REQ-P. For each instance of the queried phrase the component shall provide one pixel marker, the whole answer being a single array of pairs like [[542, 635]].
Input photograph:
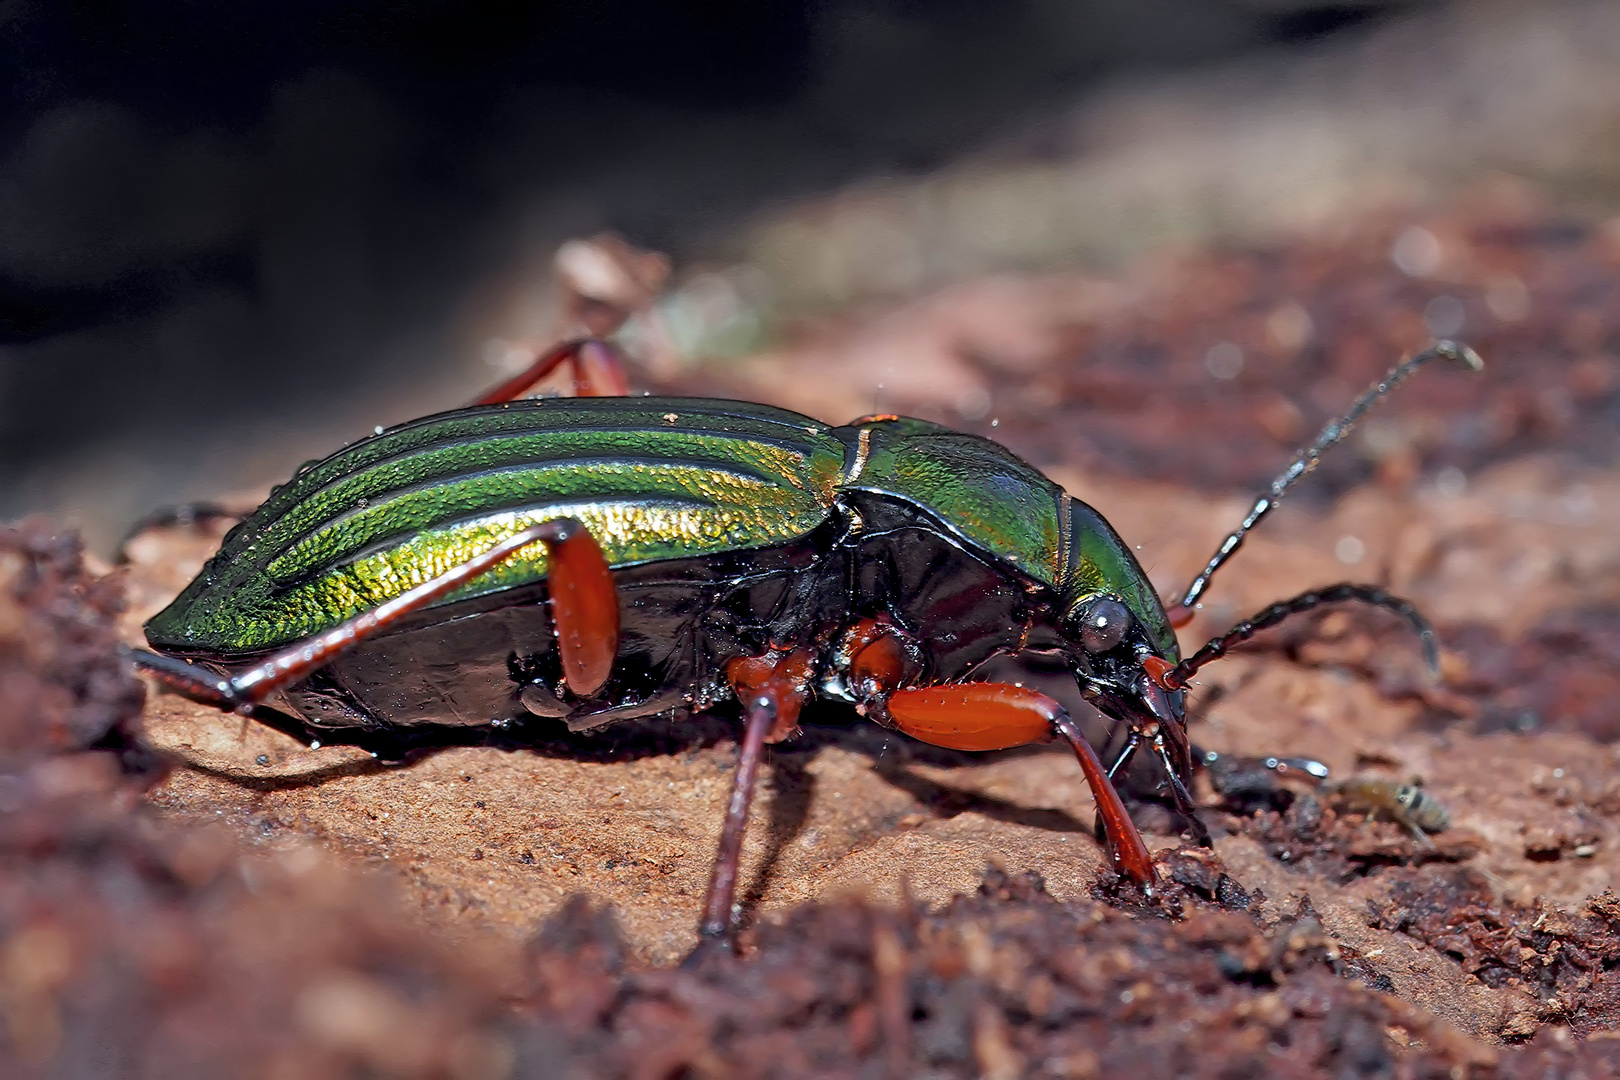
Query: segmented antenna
[[1308, 459], [1177, 676]]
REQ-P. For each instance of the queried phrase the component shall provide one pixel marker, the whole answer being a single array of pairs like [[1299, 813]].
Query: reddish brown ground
[[211, 921]]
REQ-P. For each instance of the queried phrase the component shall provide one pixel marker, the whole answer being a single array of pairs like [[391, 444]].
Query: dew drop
[[1224, 360], [1417, 252], [1444, 316]]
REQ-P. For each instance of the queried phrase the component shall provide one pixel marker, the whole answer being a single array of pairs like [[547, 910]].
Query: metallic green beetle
[[604, 559]]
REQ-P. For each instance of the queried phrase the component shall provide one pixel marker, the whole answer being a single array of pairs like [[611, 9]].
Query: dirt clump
[[1564, 675], [1321, 828], [62, 685], [138, 945], [1569, 961]]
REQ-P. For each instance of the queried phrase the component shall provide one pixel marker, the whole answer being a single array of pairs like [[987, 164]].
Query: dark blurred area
[[224, 226]]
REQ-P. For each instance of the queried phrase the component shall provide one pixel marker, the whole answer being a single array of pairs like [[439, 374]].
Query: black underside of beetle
[[491, 663]]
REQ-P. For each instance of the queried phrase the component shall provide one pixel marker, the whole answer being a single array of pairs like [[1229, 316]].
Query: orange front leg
[[995, 716], [974, 716]]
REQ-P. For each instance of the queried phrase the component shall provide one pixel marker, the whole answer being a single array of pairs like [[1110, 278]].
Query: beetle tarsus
[[1188, 809], [709, 945], [192, 680]]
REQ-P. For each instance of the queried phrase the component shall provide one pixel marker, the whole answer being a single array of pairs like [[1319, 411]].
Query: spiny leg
[[1174, 750], [994, 716], [1133, 742], [1180, 795], [1181, 613], [772, 696], [718, 907], [585, 610], [598, 372]]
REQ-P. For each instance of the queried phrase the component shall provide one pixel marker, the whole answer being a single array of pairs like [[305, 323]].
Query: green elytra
[[654, 480]]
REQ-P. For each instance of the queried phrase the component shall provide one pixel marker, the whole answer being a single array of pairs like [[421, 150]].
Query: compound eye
[[1104, 625]]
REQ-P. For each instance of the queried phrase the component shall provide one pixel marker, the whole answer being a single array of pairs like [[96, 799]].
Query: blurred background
[[235, 237]]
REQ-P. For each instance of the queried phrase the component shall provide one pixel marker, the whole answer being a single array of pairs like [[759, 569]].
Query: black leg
[[1133, 741], [1126, 753], [1183, 798], [1178, 790]]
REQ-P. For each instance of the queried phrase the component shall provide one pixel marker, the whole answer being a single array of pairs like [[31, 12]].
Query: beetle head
[[1115, 654], [1117, 638]]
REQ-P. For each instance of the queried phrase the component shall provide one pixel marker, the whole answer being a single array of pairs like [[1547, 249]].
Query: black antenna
[[1308, 459], [1177, 676]]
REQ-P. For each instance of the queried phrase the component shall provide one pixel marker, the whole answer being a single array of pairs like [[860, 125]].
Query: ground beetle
[[602, 558]]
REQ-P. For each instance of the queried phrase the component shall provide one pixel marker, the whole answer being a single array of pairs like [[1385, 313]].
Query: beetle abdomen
[[470, 663], [653, 480]]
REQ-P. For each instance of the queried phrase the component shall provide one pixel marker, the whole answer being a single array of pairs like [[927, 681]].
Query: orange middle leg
[[598, 372], [984, 716]]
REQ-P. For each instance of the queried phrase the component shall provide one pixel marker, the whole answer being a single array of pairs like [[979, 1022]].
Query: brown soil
[[214, 922]]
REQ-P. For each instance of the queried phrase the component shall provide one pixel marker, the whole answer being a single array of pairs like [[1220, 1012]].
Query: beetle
[[598, 559]]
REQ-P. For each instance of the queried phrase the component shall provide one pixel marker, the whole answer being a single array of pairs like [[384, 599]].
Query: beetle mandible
[[602, 558]]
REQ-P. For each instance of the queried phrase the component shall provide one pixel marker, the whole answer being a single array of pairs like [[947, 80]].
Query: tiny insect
[[1410, 803], [605, 559]]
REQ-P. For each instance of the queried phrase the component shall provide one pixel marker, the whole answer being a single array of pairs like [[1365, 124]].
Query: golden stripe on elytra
[[425, 508], [863, 450], [776, 462], [628, 533], [1060, 558]]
